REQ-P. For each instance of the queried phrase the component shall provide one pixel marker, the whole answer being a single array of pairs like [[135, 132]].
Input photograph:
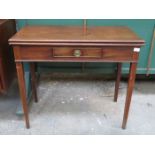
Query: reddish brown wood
[[7, 65], [131, 83], [74, 34], [57, 44], [33, 81], [22, 88], [70, 52], [81, 44], [62, 54], [119, 67]]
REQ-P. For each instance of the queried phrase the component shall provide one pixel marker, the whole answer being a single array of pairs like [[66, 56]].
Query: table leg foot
[[131, 83]]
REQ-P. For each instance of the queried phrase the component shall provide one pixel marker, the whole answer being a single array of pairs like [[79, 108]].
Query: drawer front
[[77, 52], [90, 54]]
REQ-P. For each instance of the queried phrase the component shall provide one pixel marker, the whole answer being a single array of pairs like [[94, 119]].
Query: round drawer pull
[[77, 53]]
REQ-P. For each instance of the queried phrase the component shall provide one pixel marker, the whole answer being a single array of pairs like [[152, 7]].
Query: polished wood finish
[[70, 44], [119, 67], [74, 34], [71, 52], [91, 54], [22, 89], [7, 65], [131, 82]]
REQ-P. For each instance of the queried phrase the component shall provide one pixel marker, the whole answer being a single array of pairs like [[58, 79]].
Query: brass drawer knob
[[77, 53]]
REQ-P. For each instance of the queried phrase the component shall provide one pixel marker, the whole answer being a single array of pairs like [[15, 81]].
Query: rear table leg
[[33, 81], [119, 67]]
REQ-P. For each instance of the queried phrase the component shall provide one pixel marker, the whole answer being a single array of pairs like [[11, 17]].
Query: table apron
[[74, 54]]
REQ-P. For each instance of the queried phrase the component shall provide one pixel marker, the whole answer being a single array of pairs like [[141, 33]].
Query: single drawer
[[77, 52]]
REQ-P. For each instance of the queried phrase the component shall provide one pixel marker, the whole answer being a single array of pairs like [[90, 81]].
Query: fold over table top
[[53, 35]]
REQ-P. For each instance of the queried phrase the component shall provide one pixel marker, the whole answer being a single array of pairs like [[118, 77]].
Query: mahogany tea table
[[117, 44]]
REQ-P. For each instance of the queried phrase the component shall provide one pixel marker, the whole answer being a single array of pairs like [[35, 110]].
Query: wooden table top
[[63, 34]]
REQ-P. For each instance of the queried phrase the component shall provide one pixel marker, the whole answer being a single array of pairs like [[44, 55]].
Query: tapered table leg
[[22, 89], [119, 67], [131, 83], [33, 81]]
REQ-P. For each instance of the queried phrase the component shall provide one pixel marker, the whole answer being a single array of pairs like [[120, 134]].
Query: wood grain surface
[[75, 34]]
